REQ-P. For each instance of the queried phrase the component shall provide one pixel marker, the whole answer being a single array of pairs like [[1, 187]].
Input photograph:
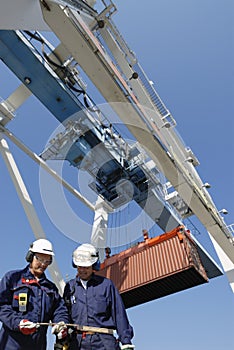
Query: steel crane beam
[[85, 48], [28, 206]]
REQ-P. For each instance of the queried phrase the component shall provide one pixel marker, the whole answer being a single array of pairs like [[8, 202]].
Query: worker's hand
[[127, 347], [27, 327], [60, 329]]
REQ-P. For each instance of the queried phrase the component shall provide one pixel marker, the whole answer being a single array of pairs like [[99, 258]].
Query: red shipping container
[[155, 268]]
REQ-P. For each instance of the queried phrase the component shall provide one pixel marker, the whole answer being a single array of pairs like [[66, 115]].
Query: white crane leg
[[28, 207], [98, 237], [227, 264]]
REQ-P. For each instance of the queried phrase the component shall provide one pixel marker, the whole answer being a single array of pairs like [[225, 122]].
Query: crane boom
[[146, 128], [90, 40]]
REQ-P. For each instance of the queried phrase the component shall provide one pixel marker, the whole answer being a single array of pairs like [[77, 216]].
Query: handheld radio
[[22, 302]]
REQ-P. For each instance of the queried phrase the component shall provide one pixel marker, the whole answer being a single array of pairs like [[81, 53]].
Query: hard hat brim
[[83, 263]]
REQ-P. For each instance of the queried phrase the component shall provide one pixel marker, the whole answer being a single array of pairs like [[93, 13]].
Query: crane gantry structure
[[88, 41]]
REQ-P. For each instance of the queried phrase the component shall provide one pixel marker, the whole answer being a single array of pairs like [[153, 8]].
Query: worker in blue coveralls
[[94, 301], [28, 298]]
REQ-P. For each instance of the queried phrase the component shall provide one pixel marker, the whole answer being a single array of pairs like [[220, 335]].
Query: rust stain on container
[[155, 268]]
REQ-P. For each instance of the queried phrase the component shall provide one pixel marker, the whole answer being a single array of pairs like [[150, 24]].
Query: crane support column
[[227, 264], [28, 207], [98, 237]]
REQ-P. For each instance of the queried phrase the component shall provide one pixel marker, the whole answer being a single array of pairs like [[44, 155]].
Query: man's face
[[40, 263], [85, 272]]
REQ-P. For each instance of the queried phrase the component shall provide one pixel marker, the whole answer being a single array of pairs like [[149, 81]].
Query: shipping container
[[155, 268]]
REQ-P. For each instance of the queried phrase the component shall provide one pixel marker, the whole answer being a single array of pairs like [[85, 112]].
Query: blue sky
[[186, 48]]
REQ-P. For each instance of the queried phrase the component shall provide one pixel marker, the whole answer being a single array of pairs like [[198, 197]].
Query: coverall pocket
[[20, 299], [101, 305]]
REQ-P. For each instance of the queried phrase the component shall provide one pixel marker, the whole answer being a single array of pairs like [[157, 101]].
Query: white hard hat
[[42, 246], [85, 255]]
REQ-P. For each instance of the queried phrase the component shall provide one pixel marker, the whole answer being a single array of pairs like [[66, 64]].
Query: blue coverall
[[100, 305], [43, 304]]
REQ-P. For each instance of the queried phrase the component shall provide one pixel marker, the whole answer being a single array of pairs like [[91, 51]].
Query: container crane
[[90, 41]]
